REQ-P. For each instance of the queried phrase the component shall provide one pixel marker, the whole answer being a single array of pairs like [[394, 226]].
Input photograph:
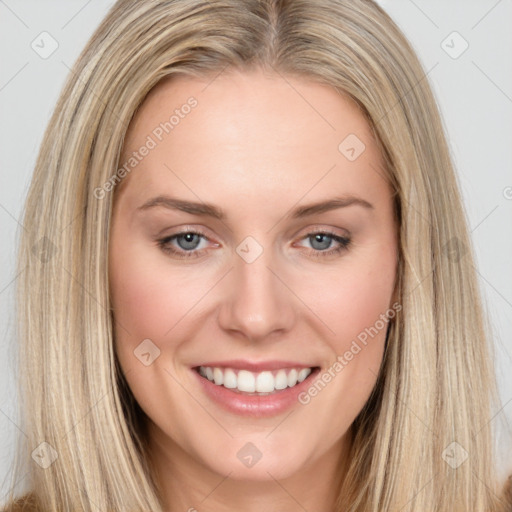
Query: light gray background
[[474, 92]]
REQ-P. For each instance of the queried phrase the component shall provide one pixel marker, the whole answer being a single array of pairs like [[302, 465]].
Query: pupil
[[324, 240], [190, 241]]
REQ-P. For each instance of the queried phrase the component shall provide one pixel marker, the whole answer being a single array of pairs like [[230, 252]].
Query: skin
[[256, 145]]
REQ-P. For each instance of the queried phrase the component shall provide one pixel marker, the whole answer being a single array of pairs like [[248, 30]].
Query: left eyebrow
[[332, 204]]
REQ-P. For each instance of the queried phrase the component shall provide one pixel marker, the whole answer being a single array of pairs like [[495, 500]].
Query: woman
[[214, 352]]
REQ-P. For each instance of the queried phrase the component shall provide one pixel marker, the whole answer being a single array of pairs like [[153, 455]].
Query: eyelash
[[163, 243]]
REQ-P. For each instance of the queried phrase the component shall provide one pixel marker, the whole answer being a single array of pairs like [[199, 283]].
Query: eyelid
[[164, 241], [343, 241], [323, 229]]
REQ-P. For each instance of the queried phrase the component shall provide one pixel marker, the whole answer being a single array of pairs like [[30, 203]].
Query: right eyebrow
[[184, 206]]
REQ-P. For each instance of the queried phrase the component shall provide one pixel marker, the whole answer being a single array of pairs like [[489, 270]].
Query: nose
[[257, 304]]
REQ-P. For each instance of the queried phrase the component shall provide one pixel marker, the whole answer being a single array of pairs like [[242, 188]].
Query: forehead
[[249, 131]]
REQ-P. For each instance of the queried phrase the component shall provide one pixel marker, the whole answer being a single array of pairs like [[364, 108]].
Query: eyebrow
[[210, 210]]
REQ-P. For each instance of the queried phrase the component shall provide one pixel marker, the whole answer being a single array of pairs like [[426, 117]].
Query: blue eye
[[321, 242], [190, 240], [185, 244], [321, 239]]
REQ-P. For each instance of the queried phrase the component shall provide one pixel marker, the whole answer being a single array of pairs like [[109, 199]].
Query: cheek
[[150, 298], [356, 304], [353, 300], [149, 295]]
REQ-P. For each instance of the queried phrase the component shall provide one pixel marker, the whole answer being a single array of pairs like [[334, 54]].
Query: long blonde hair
[[432, 402]]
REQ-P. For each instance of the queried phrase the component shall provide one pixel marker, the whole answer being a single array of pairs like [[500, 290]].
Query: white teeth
[[292, 377], [281, 380], [303, 373], [218, 376], [230, 379], [248, 382], [265, 382]]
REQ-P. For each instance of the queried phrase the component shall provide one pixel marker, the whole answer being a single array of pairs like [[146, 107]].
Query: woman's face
[[252, 240]]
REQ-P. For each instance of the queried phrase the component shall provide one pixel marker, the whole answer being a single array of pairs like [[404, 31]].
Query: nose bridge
[[257, 303]]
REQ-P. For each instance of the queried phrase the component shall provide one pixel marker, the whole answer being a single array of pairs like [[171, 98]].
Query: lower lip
[[255, 405]]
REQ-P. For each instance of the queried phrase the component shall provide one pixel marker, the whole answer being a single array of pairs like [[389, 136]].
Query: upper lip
[[259, 366]]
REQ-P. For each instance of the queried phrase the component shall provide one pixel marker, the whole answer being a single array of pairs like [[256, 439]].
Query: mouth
[[254, 389], [247, 382]]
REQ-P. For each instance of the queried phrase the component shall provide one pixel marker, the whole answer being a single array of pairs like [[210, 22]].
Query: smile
[[255, 383]]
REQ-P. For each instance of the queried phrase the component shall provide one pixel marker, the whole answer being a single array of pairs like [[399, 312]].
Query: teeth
[[281, 380], [248, 382], [292, 377], [265, 382], [303, 373], [218, 376], [230, 379]]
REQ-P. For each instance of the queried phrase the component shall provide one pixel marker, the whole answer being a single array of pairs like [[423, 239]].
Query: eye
[[184, 244], [322, 243]]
